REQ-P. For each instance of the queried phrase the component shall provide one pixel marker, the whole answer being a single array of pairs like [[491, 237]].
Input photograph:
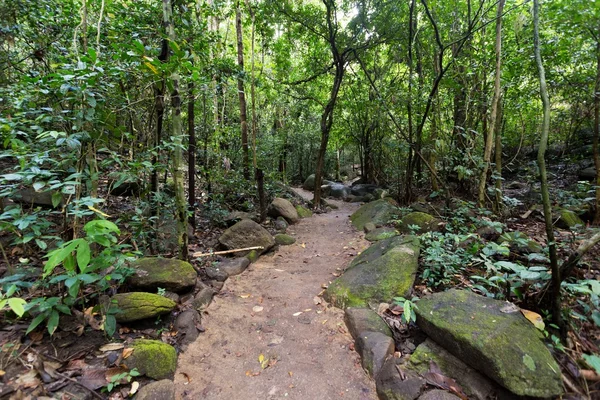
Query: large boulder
[[171, 274], [247, 233], [385, 270], [420, 221], [381, 233], [587, 174], [492, 338], [135, 306], [29, 196], [283, 208], [153, 358], [379, 212], [309, 183], [363, 189], [391, 385], [236, 216], [339, 191], [569, 220]]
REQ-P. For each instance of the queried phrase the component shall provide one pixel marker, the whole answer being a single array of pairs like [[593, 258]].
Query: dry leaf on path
[[134, 388], [296, 314], [187, 378], [112, 347], [257, 309], [317, 300], [244, 296]]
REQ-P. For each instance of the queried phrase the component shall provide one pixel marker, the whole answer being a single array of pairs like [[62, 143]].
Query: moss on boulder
[[284, 240], [139, 305], [381, 234], [569, 220], [247, 233], [425, 222], [303, 212], [153, 358], [309, 183], [359, 320], [491, 339], [167, 273], [379, 212], [385, 270]]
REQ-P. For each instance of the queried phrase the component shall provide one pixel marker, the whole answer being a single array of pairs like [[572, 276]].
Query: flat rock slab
[[359, 320], [392, 386], [378, 212], [385, 270], [234, 266], [374, 348], [473, 384], [493, 339], [153, 358], [438, 394], [136, 306], [247, 233], [419, 221], [171, 274]]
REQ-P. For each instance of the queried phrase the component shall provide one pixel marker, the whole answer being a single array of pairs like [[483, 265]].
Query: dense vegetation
[[184, 106]]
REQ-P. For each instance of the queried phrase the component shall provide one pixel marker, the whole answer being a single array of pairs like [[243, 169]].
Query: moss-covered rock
[[425, 222], [247, 233], [392, 386], [252, 256], [284, 240], [303, 212], [473, 384], [569, 220], [153, 358], [381, 234], [485, 335], [309, 183], [160, 390], [167, 273], [379, 212], [385, 270], [283, 208], [139, 305], [369, 226], [362, 319], [374, 348]]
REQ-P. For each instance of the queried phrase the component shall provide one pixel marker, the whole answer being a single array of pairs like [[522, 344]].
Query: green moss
[[569, 220], [424, 221], [381, 234], [379, 212], [284, 240], [139, 305], [378, 276], [477, 330], [168, 273], [153, 358], [303, 212], [252, 256]]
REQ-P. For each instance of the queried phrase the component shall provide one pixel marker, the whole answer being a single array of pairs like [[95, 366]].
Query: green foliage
[[408, 306], [121, 378]]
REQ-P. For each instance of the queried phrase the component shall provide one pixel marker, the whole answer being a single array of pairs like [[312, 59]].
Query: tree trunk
[[177, 133], [241, 93], [498, 158], [489, 140], [191, 154], [556, 280], [409, 162], [597, 128]]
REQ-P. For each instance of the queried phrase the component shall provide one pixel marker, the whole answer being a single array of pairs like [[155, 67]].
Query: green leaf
[[53, 322], [74, 289], [93, 55], [17, 305], [58, 256], [593, 361], [37, 186], [528, 361], [56, 199], [35, 322], [83, 255], [110, 325], [596, 317]]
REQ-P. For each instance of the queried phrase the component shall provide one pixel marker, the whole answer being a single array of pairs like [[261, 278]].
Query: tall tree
[[241, 92]]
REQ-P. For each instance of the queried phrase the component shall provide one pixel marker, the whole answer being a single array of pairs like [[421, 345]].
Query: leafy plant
[[123, 377], [408, 306]]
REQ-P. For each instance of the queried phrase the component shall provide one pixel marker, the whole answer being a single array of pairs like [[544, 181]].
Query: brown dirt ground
[[270, 310]]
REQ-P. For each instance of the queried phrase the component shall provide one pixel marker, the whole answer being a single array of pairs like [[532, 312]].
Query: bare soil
[[267, 338]]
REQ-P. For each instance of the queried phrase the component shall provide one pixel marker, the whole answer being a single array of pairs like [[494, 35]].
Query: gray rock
[[380, 193], [28, 196], [473, 384], [356, 199], [284, 240], [325, 190], [569, 220], [379, 213], [369, 226], [136, 306], [234, 266], [363, 189], [374, 348], [237, 216], [309, 183], [587, 174], [424, 222], [360, 319], [381, 233], [438, 394], [280, 224], [203, 298], [159, 390], [216, 274], [391, 386], [368, 198], [339, 191], [246, 233], [493, 339], [185, 325], [153, 358], [283, 208], [167, 273], [385, 270]]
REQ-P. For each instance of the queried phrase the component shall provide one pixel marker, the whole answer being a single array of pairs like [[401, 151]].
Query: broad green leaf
[[58, 256], [56, 199], [83, 255], [35, 322], [528, 361], [37, 186], [593, 360], [52, 323], [17, 305]]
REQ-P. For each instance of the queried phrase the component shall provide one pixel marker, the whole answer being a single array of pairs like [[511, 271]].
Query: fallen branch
[[216, 253]]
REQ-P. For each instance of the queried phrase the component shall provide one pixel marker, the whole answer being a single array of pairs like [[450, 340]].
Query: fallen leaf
[[250, 373], [244, 296], [290, 373], [134, 388], [308, 310], [336, 274], [317, 300], [534, 318], [324, 285], [443, 382], [112, 347], [257, 309], [36, 336], [296, 314], [303, 245], [2, 372], [383, 307], [187, 378], [28, 380], [127, 352]]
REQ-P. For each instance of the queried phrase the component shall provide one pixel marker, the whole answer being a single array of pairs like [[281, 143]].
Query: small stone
[[139, 305], [234, 266], [185, 325], [369, 226], [284, 240], [159, 390], [216, 274], [152, 358]]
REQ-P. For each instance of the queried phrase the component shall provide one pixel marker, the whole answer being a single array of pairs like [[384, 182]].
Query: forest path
[[307, 355]]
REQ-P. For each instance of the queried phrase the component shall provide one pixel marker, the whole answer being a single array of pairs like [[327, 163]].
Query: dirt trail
[[310, 353]]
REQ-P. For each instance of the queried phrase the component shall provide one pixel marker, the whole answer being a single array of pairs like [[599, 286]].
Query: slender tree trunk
[[597, 128], [409, 107], [489, 140], [556, 280], [241, 93], [177, 133], [191, 154], [498, 158]]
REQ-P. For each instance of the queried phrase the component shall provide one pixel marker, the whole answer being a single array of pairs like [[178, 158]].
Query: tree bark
[[489, 140], [241, 93], [597, 128], [556, 279], [191, 154]]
